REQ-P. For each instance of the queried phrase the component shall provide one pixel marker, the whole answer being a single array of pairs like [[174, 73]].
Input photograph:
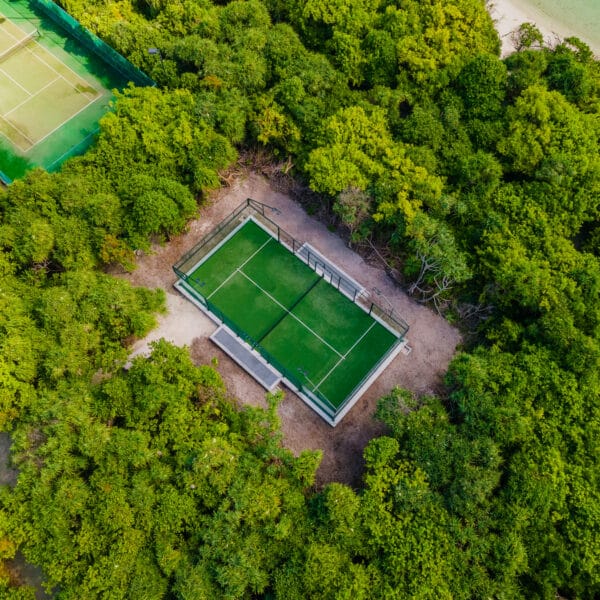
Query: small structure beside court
[[285, 312], [56, 82]]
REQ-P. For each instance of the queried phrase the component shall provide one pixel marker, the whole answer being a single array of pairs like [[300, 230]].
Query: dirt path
[[433, 340]]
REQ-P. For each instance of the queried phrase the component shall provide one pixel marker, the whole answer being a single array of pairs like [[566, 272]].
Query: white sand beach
[[509, 14]]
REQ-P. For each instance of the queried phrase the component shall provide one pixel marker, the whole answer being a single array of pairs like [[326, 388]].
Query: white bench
[[250, 360]]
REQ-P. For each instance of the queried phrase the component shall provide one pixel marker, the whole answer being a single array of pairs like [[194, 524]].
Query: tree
[[481, 84], [353, 207], [161, 132], [543, 129], [527, 36], [117, 487]]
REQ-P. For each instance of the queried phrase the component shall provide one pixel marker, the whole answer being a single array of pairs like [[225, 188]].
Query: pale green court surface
[[55, 88], [40, 94]]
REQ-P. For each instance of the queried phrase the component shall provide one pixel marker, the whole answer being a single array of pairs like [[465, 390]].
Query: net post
[[19, 44], [371, 309]]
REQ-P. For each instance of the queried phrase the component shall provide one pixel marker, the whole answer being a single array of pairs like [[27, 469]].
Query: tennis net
[[18, 45], [288, 311]]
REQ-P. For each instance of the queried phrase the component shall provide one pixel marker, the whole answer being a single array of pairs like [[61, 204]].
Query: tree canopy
[[478, 179]]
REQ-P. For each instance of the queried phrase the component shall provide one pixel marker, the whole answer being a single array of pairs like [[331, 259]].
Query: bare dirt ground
[[433, 340]]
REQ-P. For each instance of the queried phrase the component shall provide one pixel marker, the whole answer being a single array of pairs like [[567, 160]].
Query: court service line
[[238, 269], [15, 81], [337, 364], [71, 117], [291, 313], [30, 97], [37, 44]]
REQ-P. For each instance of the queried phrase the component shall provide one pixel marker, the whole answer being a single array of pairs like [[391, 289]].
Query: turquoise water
[[580, 16]]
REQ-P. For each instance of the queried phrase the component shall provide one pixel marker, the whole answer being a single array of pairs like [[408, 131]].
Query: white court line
[[15, 81], [57, 160], [25, 136], [337, 364], [238, 269], [17, 41], [30, 97], [9, 33], [37, 44], [71, 117], [291, 313]]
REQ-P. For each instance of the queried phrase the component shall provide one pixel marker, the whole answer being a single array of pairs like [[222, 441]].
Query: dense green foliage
[[479, 177]]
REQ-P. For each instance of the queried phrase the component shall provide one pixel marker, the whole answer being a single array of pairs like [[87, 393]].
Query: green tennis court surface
[[296, 320]]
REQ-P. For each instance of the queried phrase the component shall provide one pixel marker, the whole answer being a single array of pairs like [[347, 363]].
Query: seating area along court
[[39, 92], [324, 344]]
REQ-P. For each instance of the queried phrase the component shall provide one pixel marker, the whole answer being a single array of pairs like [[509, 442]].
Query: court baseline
[[238, 269], [343, 358]]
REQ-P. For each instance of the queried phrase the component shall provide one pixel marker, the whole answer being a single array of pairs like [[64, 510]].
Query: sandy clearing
[[433, 340], [182, 324]]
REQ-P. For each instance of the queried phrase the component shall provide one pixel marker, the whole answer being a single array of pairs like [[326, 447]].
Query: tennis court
[[39, 92], [56, 83], [319, 339]]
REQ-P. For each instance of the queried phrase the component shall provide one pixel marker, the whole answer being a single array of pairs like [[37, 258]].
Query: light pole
[[157, 52]]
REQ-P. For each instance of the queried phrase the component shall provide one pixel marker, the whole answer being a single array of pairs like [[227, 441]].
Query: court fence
[[251, 208], [258, 210], [92, 42]]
